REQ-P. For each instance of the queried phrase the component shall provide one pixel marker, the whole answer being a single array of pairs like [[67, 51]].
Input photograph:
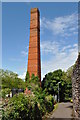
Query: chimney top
[[34, 10]]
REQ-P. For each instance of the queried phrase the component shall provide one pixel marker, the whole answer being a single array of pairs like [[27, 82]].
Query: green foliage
[[49, 102], [68, 90], [10, 80], [51, 80], [32, 83], [27, 107], [4, 92], [22, 107], [31, 106], [27, 78], [68, 86]]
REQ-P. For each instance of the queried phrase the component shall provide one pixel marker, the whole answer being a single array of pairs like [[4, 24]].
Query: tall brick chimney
[[34, 63]]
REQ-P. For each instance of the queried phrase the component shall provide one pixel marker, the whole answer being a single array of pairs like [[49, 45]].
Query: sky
[[58, 36]]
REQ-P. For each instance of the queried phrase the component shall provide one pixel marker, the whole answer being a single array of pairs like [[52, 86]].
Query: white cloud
[[61, 56], [49, 47], [24, 53], [66, 47], [63, 59], [56, 47], [22, 76], [64, 26]]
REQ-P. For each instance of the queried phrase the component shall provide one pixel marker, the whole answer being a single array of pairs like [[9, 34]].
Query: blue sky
[[58, 36]]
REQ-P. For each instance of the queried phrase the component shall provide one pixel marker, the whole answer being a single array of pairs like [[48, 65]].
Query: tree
[[51, 80], [27, 78], [68, 86], [10, 80]]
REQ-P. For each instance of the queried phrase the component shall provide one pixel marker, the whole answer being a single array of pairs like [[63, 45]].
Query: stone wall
[[76, 88]]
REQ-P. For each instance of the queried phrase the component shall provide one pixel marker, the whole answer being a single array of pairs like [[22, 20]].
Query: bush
[[49, 102], [31, 106], [4, 92], [27, 107], [22, 107]]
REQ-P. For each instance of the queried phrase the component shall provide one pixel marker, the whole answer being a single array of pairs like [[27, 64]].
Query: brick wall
[[34, 62]]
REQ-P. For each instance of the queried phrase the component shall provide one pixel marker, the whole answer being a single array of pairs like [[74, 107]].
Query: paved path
[[64, 110]]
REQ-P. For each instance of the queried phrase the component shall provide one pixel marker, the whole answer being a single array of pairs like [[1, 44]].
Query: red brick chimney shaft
[[34, 63]]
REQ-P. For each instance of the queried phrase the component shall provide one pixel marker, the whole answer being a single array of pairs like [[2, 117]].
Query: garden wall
[[76, 88]]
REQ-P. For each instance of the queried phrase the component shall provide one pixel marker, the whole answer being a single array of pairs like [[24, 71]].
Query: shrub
[[27, 107], [49, 102], [22, 107], [31, 106], [4, 92]]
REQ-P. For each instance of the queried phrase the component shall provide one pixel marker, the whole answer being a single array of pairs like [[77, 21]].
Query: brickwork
[[76, 88], [34, 63]]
